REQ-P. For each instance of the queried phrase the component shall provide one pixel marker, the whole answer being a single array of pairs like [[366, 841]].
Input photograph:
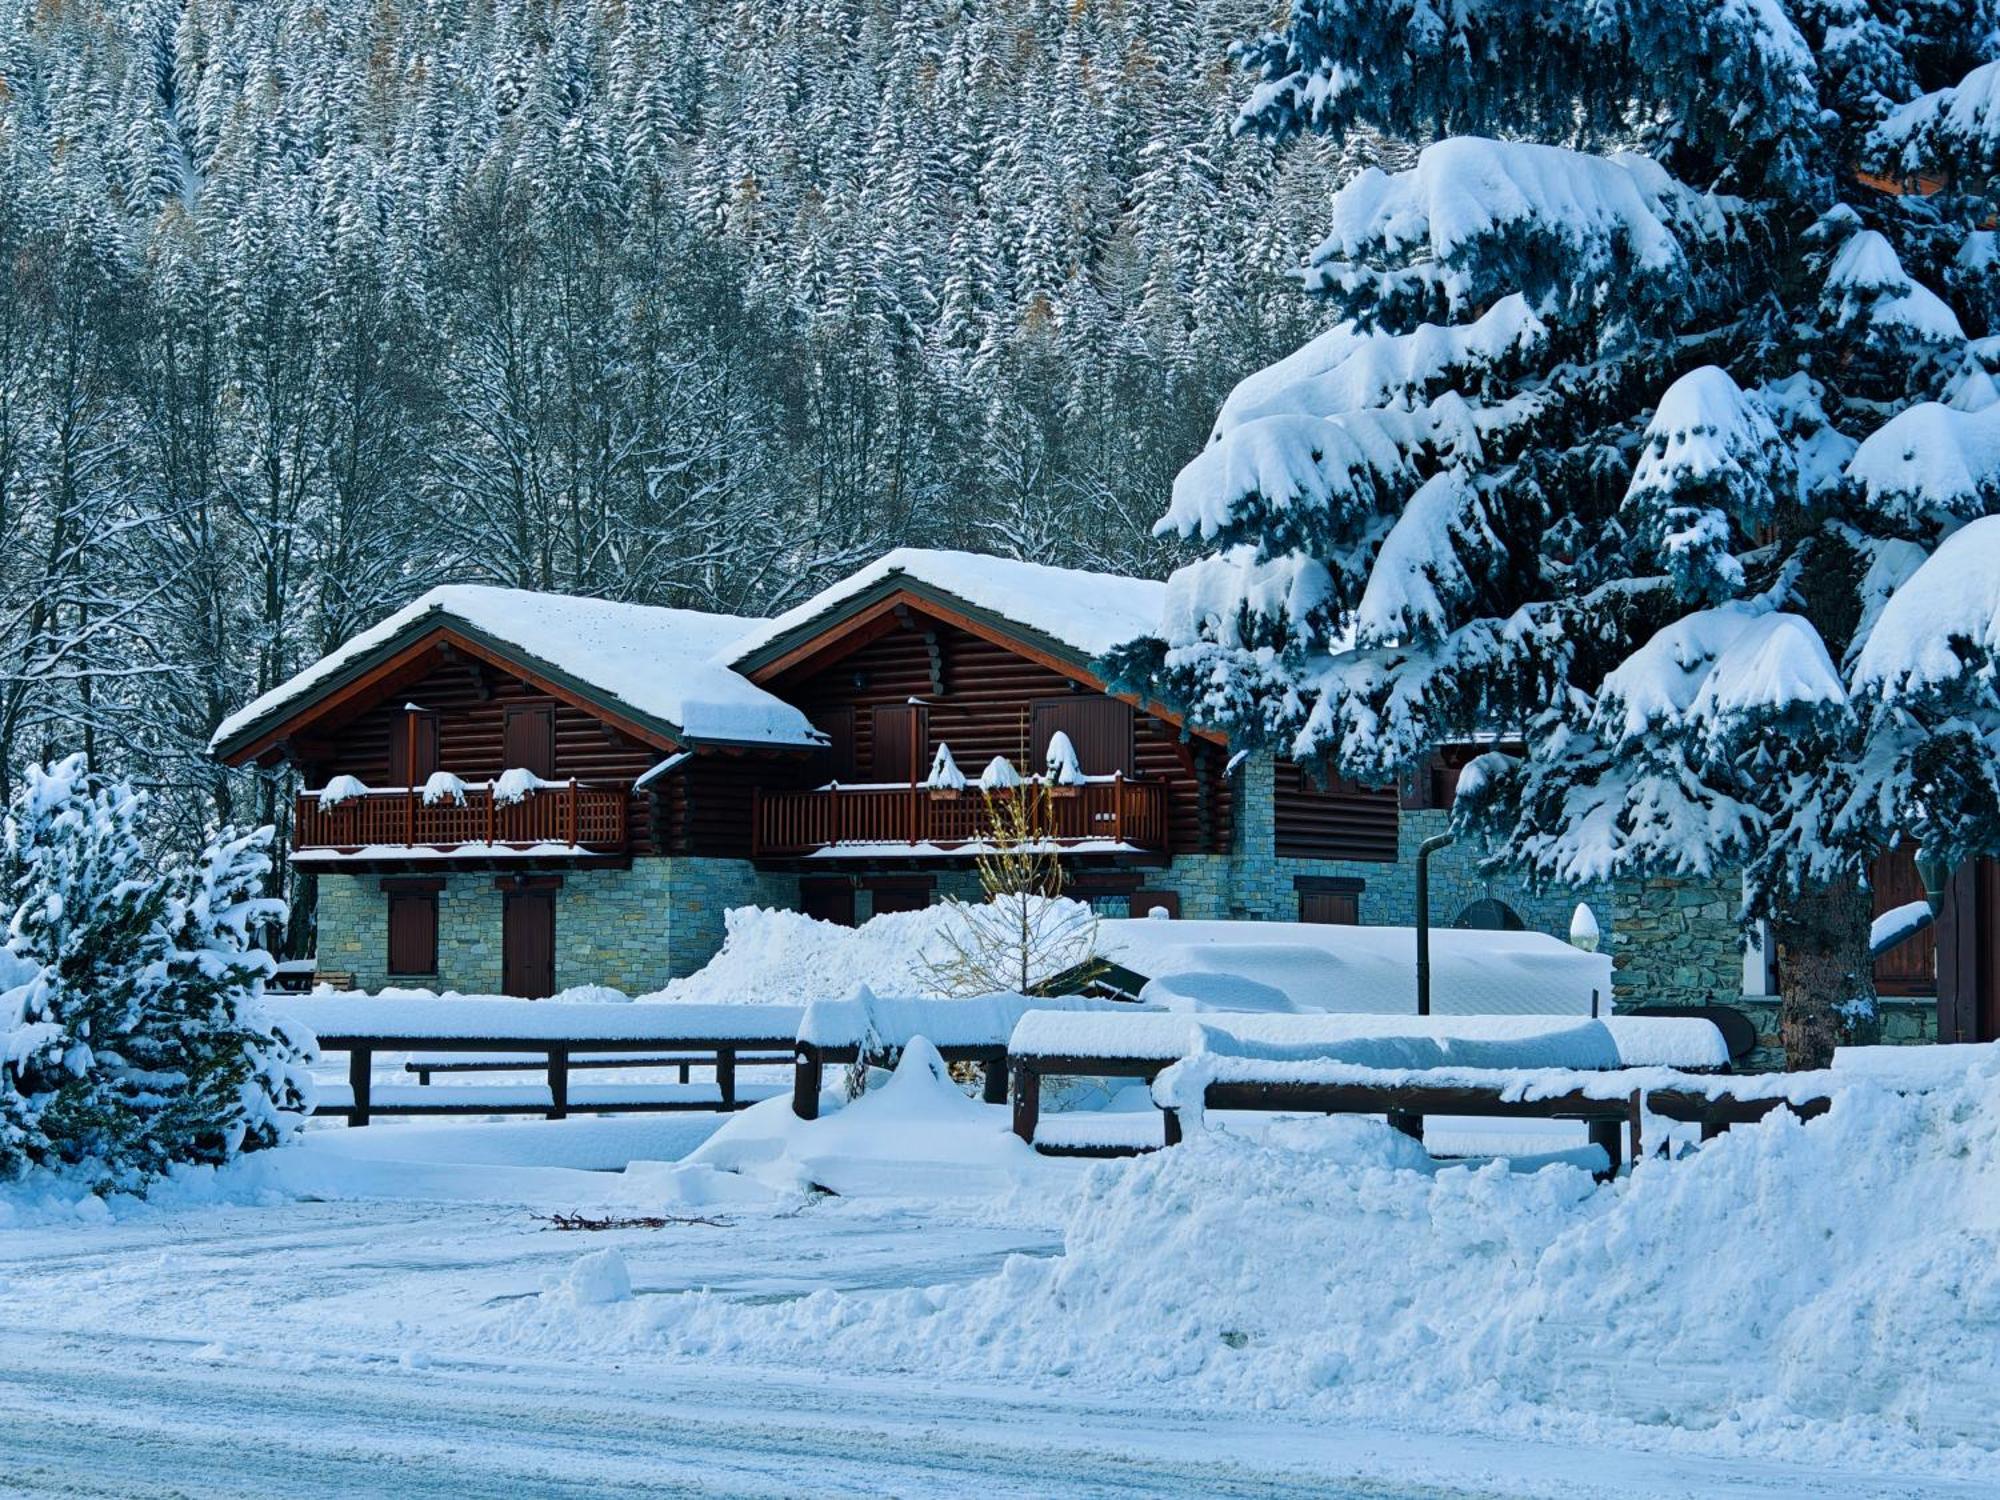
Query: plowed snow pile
[[1825, 1291]]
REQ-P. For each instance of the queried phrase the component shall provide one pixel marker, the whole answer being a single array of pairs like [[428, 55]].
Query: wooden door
[[1337, 908], [900, 742], [528, 740], [528, 944], [1968, 945], [1099, 728], [1909, 968], [413, 931], [401, 771], [827, 901]]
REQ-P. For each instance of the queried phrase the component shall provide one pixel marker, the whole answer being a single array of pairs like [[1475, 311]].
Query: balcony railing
[[570, 815], [1109, 815]]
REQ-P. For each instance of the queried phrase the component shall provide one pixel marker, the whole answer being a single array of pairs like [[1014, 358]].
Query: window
[[1332, 900], [1342, 821], [1144, 903], [1099, 727], [1489, 915], [413, 926], [828, 901], [837, 761], [899, 895], [528, 739], [899, 748]]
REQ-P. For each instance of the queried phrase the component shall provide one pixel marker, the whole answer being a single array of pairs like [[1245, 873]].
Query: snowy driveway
[[331, 1349]]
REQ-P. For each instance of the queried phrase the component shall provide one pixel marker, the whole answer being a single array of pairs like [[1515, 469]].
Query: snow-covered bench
[[555, 1034], [1403, 1067], [878, 1028]]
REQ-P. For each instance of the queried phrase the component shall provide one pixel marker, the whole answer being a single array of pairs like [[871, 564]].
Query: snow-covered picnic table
[[560, 1034]]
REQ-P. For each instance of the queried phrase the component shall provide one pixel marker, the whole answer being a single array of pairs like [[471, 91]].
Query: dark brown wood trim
[[513, 883], [413, 885]]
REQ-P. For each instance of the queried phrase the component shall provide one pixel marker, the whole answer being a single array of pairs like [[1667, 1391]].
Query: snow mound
[[1734, 1298], [787, 958], [918, 1135], [599, 1277]]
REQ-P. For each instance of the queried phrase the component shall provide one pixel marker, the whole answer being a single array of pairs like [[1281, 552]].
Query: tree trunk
[[1826, 977]]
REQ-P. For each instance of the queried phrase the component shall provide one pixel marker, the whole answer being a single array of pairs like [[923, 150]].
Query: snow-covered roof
[[1084, 613], [668, 667]]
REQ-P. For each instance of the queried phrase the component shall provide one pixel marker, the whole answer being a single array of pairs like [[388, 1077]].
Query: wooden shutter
[[1909, 968], [892, 736], [1142, 903], [1343, 822], [1336, 908], [837, 724], [529, 738], [900, 895], [1099, 727], [828, 901], [413, 932], [401, 772], [528, 944]]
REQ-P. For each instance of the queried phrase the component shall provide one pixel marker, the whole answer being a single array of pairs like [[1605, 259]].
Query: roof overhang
[[409, 655], [849, 623]]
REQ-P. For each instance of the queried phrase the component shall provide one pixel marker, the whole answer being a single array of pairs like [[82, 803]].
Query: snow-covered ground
[[1289, 1308]]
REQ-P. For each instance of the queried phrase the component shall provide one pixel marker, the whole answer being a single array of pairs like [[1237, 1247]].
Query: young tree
[[1024, 933], [1645, 396], [133, 1034]]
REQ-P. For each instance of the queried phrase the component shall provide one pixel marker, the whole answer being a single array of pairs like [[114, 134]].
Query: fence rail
[[1115, 813], [570, 814]]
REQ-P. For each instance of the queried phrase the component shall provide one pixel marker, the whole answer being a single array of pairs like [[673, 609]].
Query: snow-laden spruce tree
[[130, 1018], [1658, 372]]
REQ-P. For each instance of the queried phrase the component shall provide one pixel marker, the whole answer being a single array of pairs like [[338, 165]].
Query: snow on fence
[[495, 1022], [1419, 1041]]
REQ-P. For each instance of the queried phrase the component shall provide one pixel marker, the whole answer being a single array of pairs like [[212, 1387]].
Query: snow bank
[[1740, 1298], [780, 957], [1319, 967], [917, 1135]]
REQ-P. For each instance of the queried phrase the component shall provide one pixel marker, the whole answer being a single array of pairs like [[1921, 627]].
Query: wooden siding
[[1343, 822], [981, 703], [471, 730]]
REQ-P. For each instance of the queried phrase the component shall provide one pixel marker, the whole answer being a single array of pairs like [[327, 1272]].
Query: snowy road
[[317, 1349]]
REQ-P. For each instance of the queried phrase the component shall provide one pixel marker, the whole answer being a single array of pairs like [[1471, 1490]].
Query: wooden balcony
[[569, 819], [1108, 816]]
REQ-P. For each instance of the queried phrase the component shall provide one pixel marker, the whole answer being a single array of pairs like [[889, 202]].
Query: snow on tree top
[[1930, 460], [661, 662], [1959, 125], [1867, 283], [1091, 613], [1468, 189], [1954, 597]]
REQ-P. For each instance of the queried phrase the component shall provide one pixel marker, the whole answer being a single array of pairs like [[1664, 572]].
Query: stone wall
[[1253, 883], [1676, 941], [633, 929]]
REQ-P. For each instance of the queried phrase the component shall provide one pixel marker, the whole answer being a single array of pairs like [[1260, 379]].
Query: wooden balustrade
[[1117, 814], [571, 813]]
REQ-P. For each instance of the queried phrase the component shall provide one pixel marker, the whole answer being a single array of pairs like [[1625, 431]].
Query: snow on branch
[[1956, 127], [1942, 626], [1718, 672]]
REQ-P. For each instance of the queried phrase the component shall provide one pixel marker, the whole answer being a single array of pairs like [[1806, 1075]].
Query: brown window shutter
[[1342, 822], [828, 901], [413, 932], [400, 771], [528, 741], [893, 735], [1142, 903], [1335, 908], [1099, 727], [1909, 968]]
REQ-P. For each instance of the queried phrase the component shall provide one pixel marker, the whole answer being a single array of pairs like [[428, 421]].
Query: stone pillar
[[1676, 941]]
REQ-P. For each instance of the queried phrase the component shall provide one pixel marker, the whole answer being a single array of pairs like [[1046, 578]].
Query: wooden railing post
[[1118, 807], [492, 812], [571, 841]]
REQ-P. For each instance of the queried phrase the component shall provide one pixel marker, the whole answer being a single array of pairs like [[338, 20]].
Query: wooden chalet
[[505, 791]]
